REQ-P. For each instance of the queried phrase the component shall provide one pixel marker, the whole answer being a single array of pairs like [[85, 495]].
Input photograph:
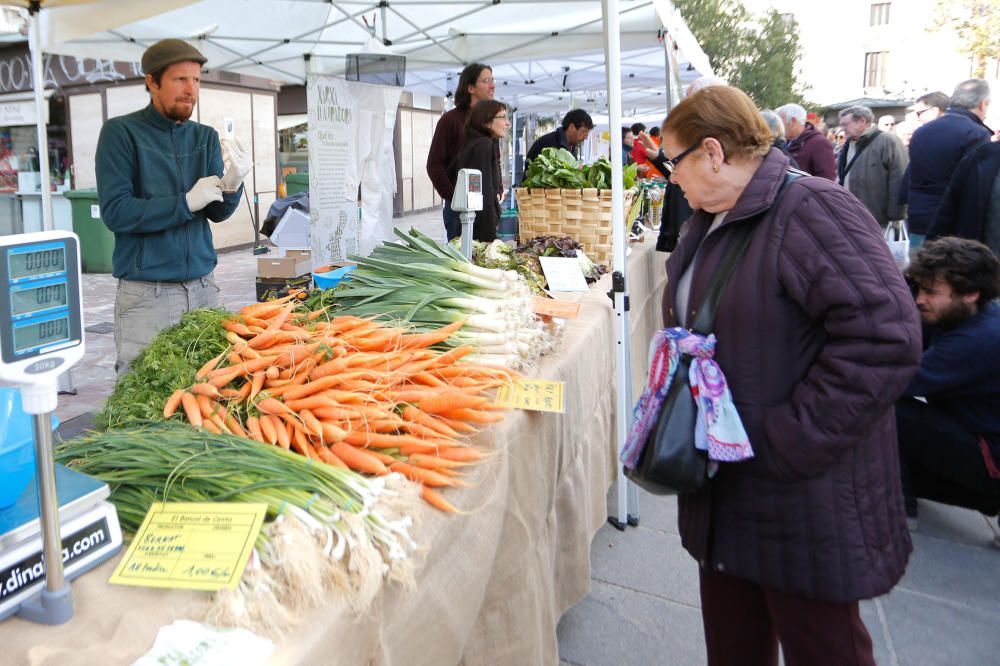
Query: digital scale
[[61, 525], [467, 199]]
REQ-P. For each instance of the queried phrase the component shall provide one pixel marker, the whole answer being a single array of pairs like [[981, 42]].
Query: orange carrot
[[450, 401], [311, 403], [417, 416], [172, 403], [253, 425], [475, 416], [227, 375], [257, 383], [208, 367], [210, 426], [427, 339], [433, 462], [234, 426], [268, 429], [311, 423], [460, 453], [205, 389], [331, 433], [425, 476], [300, 442], [358, 459], [281, 430], [329, 457], [191, 409], [274, 407], [436, 500]]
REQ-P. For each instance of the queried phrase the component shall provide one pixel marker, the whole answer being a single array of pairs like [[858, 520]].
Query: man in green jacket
[[160, 180]]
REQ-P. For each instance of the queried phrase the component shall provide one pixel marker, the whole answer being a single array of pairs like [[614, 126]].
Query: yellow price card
[[540, 395], [191, 546]]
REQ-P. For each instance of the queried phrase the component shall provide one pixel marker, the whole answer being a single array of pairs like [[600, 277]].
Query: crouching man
[[950, 443]]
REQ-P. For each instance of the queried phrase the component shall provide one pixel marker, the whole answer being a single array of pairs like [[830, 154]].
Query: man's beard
[[954, 315], [179, 112]]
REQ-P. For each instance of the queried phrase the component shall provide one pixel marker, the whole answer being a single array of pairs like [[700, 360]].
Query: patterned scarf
[[718, 429]]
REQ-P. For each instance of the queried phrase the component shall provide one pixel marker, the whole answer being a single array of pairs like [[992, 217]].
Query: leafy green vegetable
[[557, 168], [168, 363], [554, 246]]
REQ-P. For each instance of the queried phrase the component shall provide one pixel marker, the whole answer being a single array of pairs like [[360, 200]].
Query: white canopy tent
[[547, 55]]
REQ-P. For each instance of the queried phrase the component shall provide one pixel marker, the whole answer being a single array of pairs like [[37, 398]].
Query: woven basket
[[584, 215]]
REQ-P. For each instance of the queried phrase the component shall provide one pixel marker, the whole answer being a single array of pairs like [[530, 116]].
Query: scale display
[[475, 182], [35, 262], [40, 309], [38, 298]]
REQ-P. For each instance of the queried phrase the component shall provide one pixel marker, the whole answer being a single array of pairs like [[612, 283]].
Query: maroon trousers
[[745, 622]]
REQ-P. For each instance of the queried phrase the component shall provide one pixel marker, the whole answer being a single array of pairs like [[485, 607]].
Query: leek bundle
[[429, 285]]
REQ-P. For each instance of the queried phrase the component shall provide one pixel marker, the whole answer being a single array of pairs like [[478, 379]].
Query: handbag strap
[[740, 239]]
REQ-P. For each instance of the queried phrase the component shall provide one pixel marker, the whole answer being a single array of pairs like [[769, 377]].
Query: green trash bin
[[296, 182], [97, 243]]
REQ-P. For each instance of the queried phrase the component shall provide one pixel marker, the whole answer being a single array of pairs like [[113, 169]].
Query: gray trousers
[[143, 309]]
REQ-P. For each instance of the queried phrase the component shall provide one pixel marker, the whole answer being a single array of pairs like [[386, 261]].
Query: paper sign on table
[[539, 395], [191, 546], [555, 308], [563, 273]]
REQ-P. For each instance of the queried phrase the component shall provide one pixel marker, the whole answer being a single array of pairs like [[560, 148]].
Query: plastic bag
[[898, 239]]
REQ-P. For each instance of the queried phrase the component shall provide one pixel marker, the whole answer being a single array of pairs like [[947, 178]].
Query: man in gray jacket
[[871, 165]]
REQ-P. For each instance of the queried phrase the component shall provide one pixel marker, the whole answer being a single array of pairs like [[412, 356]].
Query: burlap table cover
[[494, 583]]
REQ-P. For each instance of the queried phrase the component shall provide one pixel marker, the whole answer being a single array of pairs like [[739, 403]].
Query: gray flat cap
[[167, 52]]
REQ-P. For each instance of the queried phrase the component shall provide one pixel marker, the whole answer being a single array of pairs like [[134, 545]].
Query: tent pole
[[38, 83], [619, 288]]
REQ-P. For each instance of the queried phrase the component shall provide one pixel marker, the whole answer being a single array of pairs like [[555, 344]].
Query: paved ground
[[644, 608]]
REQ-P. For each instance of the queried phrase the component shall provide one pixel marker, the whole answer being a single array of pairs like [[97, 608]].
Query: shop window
[[876, 63], [879, 13]]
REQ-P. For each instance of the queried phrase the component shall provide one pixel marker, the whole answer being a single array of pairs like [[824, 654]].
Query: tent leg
[[623, 358], [38, 83]]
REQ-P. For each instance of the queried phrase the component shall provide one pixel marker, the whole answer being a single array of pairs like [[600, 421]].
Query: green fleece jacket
[[146, 164]]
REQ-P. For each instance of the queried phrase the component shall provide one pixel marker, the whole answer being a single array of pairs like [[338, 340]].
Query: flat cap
[[167, 52]]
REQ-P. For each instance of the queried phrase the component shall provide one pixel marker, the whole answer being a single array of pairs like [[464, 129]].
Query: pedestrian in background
[[475, 84], [486, 125]]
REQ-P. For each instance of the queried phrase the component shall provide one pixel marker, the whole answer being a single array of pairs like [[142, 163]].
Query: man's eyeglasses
[[672, 162], [921, 112]]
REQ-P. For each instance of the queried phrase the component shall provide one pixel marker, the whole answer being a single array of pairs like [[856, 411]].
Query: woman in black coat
[[486, 124]]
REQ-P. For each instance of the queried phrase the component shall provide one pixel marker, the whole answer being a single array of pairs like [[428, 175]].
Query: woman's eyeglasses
[[672, 162]]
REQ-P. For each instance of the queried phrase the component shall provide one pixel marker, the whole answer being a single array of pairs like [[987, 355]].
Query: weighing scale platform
[[90, 535]]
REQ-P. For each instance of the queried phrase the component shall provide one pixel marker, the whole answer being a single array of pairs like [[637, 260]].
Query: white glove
[[240, 163], [204, 192]]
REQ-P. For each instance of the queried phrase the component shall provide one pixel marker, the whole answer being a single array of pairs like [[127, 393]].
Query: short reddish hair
[[725, 114]]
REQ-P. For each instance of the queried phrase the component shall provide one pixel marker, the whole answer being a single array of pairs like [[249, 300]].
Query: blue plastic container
[[17, 447], [332, 278]]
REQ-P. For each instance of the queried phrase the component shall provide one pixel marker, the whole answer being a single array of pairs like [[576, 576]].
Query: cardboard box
[[287, 264], [271, 288]]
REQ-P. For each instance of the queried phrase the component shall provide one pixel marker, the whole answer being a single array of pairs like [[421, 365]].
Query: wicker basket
[[584, 215]]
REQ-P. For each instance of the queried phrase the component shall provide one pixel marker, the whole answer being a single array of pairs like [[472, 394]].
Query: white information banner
[[350, 147]]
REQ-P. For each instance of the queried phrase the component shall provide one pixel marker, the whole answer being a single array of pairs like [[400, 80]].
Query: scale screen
[[39, 295], [26, 300], [36, 334], [475, 182], [32, 263]]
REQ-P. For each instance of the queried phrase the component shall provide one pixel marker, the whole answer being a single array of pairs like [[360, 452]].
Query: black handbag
[[670, 463]]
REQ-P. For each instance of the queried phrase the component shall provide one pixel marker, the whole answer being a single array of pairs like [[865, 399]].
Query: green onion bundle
[[429, 285], [329, 529]]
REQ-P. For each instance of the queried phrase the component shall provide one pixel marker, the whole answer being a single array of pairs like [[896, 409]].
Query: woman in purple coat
[[818, 335]]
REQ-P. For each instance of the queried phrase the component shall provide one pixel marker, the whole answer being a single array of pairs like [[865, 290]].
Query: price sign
[[192, 546], [540, 395], [555, 308]]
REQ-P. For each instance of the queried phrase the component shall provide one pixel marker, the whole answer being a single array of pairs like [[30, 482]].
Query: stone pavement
[[643, 609]]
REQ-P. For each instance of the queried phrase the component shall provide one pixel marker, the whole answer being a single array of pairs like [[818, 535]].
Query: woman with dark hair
[[487, 124], [817, 335], [474, 85]]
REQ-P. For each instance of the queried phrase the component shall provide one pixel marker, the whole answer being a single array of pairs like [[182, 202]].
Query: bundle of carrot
[[348, 391]]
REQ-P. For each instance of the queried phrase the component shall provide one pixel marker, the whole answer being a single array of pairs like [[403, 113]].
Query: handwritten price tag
[[555, 308], [191, 546], [540, 395]]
